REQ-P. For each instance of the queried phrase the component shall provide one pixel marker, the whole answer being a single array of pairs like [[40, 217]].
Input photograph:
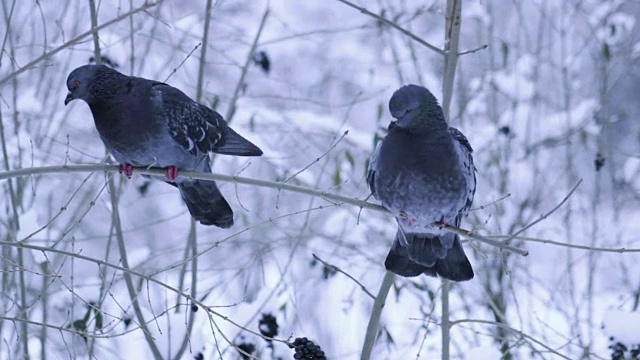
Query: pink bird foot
[[171, 173], [407, 219], [126, 170]]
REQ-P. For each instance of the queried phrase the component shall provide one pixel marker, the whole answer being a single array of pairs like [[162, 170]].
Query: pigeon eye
[[76, 84]]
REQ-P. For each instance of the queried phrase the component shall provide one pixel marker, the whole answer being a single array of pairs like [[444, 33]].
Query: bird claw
[[126, 170], [407, 219], [171, 173]]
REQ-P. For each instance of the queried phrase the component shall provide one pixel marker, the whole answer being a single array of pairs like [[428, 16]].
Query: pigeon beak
[[68, 99]]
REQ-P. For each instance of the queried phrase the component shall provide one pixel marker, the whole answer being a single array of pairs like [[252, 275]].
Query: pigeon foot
[[126, 170], [171, 173], [407, 219]]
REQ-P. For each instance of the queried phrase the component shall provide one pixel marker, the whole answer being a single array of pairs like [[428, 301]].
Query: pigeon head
[[414, 107], [82, 82]]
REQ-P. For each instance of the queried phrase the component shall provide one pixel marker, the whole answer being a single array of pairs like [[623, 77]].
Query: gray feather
[[423, 173], [148, 123]]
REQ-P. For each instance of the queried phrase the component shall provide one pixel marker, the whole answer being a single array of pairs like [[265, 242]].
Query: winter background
[[550, 100]]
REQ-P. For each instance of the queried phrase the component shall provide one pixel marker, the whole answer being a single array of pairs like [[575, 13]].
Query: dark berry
[[505, 130], [194, 308], [268, 325], [307, 350], [262, 60], [599, 161]]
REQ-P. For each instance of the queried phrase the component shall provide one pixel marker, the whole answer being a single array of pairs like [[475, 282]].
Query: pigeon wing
[[468, 168], [199, 129], [371, 170]]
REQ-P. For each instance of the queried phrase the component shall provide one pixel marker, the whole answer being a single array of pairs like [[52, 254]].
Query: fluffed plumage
[[423, 173], [149, 123]]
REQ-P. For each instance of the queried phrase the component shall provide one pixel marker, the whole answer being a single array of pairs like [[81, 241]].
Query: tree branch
[[393, 25], [374, 320], [334, 198], [335, 268], [75, 41], [236, 93]]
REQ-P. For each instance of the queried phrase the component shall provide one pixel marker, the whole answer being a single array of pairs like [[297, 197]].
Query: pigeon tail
[[432, 255], [205, 203], [234, 144]]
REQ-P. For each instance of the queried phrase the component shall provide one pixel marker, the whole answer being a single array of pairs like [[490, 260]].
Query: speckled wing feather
[[371, 170], [147, 123], [469, 169], [199, 129]]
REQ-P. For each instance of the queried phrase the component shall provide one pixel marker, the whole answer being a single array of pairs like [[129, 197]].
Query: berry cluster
[[619, 351], [268, 325], [305, 349]]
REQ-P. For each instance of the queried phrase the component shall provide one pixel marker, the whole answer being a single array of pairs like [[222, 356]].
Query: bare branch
[[318, 158], [544, 216], [333, 267], [76, 40], [334, 198], [393, 25], [236, 93], [473, 50], [374, 320]]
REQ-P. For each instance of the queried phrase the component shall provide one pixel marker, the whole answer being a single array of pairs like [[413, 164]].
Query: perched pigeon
[[423, 173], [147, 123]]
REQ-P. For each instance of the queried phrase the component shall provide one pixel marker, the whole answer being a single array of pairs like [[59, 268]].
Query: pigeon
[[148, 123], [422, 172]]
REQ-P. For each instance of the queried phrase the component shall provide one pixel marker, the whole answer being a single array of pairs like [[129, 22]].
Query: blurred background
[[545, 91]]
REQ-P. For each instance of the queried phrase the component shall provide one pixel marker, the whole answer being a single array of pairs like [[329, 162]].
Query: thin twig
[[484, 206], [575, 246], [148, 278], [519, 332], [469, 234], [318, 158], [393, 25], [473, 50], [75, 41], [335, 268], [240, 85], [372, 328], [544, 216], [335, 198], [175, 69]]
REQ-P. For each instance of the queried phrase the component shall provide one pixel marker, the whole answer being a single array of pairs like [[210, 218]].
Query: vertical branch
[[452, 39], [132, 57], [7, 17], [115, 218], [44, 267], [203, 51], [127, 276], [14, 226], [192, 242], [96, 39], [236, 93], [445, 323], [374, 320], [567, 96]]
